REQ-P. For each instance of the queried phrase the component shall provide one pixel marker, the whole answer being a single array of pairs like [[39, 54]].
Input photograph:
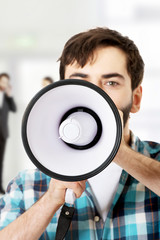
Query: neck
[[127, 135]]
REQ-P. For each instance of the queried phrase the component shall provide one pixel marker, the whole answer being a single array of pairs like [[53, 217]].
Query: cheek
[[121, 100], [117, 99]]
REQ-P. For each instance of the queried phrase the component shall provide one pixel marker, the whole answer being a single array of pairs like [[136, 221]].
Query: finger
[[83, 184], [78, 188]]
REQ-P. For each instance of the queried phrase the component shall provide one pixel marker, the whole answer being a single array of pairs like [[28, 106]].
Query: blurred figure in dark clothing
[[6, 104]]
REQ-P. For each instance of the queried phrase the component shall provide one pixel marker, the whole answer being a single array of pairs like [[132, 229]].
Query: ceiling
[[38, 27]]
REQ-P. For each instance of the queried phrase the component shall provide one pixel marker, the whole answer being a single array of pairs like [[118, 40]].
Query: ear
[[137, 96]]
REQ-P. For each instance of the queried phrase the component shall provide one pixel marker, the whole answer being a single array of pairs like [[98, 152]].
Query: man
[[6, 104], [46, 81], [131, 209]]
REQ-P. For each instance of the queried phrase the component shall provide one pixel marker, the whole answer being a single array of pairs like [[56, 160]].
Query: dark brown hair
[[81, 47]]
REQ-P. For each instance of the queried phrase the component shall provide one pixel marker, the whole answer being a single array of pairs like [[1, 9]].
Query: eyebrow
[[106, 76], [81, 75], [111, 75]]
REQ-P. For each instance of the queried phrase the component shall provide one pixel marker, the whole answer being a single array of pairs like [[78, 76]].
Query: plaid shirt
[[133, 215]]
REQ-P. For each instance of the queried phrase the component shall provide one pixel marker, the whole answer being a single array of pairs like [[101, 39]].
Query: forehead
[[107, 52], [4, 79], [109, 58]]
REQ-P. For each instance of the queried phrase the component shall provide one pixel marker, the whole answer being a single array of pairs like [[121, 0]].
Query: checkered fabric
[[133, 215]]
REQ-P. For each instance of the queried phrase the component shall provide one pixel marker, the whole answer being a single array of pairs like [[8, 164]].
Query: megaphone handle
[[70, 196], [66, 215], [64, 222]]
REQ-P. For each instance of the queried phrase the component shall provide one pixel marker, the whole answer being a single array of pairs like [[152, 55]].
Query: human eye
[[111, 83]]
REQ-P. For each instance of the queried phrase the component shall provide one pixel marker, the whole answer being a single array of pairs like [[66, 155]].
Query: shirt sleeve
[[155, 152], [11, 103], [11, 204]]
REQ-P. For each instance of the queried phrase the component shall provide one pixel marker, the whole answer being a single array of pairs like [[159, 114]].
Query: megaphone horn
[[71, 130]]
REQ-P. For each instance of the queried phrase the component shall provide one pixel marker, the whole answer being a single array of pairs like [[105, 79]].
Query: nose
[[96, 82]]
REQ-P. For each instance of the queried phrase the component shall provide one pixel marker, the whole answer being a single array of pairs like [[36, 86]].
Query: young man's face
[[4, 81], [108, 70]]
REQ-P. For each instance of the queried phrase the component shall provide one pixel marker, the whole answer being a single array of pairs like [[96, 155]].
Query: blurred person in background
[[46, 81], [7, 104]]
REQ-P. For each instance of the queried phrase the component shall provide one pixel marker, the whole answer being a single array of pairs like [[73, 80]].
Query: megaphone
[[71, 130]]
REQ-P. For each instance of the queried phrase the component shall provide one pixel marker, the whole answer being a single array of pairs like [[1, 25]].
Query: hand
[[145, 169], [57, 190], [8, 90]]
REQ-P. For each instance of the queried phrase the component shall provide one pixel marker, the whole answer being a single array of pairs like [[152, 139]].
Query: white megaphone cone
[[71, 131]]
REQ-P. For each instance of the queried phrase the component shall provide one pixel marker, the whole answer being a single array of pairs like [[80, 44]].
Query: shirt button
[[96, 218]]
